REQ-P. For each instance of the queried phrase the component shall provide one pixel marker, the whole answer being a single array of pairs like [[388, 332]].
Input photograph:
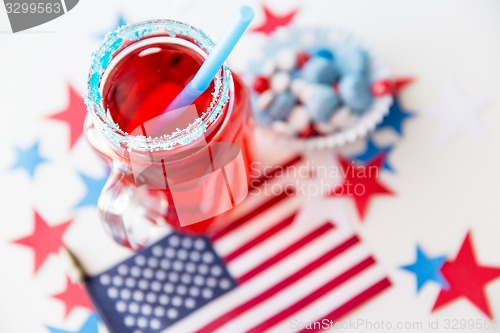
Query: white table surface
[[442, 190]]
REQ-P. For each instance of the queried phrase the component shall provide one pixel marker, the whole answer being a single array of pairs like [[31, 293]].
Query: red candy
[[260, 84], [335, 87], [381, 88], [302, 58], [308, 132]]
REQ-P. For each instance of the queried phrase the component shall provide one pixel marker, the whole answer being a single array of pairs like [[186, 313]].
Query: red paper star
[[361, 182], [400, 83], [44, 240], [467, 278], [73, 115], [74, 296], [273, 21], [393, 86]]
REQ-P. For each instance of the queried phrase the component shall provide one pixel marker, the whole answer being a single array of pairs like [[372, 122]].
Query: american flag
[[263, 272]]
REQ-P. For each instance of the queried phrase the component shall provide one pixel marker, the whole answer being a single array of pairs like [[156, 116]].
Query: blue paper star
[[93, 190], [120, 20], [90, 326], [371, 151], [28, 159], [427, 269], [397, 115]]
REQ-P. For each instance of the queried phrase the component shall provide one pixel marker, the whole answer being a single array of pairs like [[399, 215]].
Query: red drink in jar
[[183, 176]]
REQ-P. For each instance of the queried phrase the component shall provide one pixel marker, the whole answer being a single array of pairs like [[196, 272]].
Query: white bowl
[[331, 37]]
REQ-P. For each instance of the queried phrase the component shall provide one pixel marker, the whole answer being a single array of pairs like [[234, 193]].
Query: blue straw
[[213, 62]]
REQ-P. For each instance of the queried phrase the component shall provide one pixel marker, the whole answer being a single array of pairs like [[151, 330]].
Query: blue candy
[[325, 53], [321, 103], [263, 118], [353, 60], [320, 70], [356, 93], [281, 106]]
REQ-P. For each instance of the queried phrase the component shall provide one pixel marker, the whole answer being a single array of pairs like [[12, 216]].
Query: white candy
[[308, 38], [286, 60], [269, 67], [297, 86], [264, 100], [282, 34], [324, 128], [284, 128], [298, 118], [342, 118], [280, 82], [306, 93]]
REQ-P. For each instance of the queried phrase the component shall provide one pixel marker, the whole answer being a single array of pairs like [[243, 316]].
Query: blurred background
[[445, 184]]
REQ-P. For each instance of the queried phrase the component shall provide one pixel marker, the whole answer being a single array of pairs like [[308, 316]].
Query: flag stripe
[[331, 301], [250, 215], [330, 285], [280, 286], [306, 285], [354, 302], [270, 175], [260, 238], [286, 267], [272, 246], [284, 253], [258, 225]]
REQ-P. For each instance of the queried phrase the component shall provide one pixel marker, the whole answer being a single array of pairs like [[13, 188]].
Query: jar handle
[[132, 214]]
